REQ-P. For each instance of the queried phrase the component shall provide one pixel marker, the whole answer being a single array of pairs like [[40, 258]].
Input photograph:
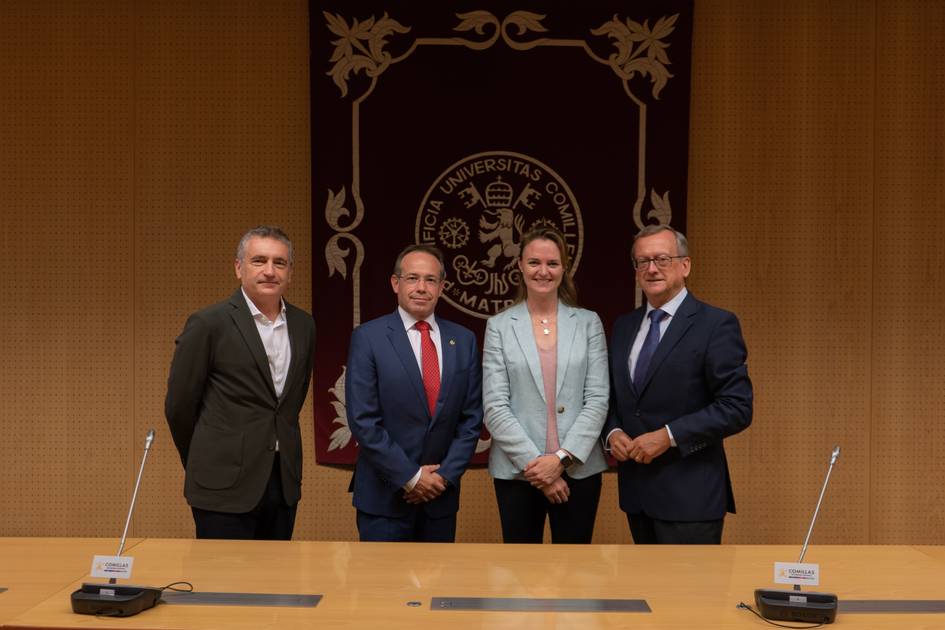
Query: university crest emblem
[[477, 212]]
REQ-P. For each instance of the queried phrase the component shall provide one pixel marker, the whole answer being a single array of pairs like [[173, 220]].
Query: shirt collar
[[256, 313], [672, 306], [409, 320]]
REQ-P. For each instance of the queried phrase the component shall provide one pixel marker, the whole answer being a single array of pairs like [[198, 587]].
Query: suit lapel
[[630, 332], [247, 327], [678, 325], [397, 335], [295, 343], [522, 329], [567, 328], [448, 350]]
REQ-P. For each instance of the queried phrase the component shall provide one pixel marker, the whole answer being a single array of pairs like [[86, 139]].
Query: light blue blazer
[[513, 392]]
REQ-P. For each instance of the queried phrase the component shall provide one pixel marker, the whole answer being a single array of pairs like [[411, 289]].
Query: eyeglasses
[[412, 279], [662, 262]]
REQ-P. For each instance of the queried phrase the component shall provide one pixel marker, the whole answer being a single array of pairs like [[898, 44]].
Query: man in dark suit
[[414, 389], [679, 386], [238, 379]]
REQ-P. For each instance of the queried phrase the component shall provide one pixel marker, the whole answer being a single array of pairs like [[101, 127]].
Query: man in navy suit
[[414, 389], [679, 386]]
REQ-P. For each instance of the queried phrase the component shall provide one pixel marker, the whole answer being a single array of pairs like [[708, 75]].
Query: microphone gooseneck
[[834, 456], [148, 440]]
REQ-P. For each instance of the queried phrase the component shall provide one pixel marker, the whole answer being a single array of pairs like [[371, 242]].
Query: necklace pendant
[[546, 331]]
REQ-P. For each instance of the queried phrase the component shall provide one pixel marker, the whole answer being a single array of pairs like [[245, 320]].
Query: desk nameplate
[[531, 604]]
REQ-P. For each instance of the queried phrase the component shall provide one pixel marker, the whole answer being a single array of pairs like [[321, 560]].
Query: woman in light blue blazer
[[545, 390]]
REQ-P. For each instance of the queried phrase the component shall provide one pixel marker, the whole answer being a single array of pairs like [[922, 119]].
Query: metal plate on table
[[199, 598], [892, 605], [531, 604]]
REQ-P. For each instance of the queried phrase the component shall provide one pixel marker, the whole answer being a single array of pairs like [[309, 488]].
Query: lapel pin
[[452, 342]]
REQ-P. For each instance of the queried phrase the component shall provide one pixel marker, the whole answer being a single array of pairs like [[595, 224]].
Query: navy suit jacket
[[389, 417], [697, 384]]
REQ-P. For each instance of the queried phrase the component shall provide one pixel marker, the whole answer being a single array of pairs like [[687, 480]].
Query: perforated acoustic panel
[[140, 139], [66, 333], [908, 376], [781, 225]]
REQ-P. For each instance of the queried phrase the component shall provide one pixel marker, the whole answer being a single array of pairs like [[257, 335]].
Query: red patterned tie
[[431, 365]]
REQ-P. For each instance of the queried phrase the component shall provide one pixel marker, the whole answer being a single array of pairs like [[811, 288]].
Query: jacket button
[[637, 413], [561, 409]]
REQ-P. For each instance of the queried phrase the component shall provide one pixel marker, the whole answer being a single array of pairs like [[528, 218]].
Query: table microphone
[[780, 605], [118, 600]]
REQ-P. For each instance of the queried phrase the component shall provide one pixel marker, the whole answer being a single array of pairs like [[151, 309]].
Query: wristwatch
[[566, 458]]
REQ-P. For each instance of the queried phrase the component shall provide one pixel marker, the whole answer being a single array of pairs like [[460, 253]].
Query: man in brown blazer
[[239, 377]]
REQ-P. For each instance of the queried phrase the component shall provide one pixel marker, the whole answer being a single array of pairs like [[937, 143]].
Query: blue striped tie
[[649, 345]]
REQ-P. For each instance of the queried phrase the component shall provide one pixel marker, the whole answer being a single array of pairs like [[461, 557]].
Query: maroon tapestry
[[465, 124]]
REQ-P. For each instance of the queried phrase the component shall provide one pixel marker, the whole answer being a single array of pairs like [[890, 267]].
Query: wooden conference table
[[32, 569], [367, 585]]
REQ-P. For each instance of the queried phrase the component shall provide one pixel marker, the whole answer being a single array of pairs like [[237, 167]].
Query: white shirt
[[670, 309], [413, 336], [275, 339]]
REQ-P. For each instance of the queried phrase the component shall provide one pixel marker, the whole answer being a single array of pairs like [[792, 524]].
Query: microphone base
[[112, 600], [801, 606]]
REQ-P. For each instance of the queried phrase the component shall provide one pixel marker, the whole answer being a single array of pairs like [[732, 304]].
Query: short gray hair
[[263, 231], [682, 244]]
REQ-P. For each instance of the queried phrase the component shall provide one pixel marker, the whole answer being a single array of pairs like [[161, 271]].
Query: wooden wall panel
[[908, 376], [140, 138], [780, 223], [66, 387]]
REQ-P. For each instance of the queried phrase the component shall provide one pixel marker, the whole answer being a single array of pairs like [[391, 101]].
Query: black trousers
[[523, 508], [416, 527], [651, 531], [271, 519]]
